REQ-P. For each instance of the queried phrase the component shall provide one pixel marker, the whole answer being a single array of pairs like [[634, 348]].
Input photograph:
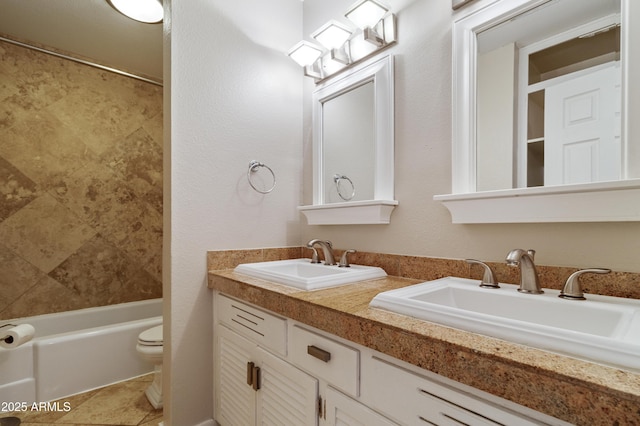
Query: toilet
[[150, 349]]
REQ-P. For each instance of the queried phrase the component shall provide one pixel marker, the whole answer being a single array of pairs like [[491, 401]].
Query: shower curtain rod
[[82, 61]]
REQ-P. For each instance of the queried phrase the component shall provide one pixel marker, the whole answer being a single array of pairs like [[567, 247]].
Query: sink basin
[[303, 274], [603, 329]]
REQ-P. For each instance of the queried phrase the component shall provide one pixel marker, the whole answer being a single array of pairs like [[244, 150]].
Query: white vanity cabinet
[[271, 370], [257, 387], [341, 410], [414, 399], [252, 385]]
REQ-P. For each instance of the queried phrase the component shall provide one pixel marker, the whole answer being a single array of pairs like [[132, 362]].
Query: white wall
[[419, 225], [235, 97], [495, 118]]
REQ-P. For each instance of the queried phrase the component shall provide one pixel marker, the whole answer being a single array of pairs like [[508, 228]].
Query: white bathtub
[[77, 351]]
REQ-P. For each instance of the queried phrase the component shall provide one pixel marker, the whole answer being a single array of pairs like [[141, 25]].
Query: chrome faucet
[[344, 259], [327, 249], [572, 289], [529, 282], [489, 277]]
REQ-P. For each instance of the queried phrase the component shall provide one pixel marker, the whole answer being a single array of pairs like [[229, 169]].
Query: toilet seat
[[151, 337]]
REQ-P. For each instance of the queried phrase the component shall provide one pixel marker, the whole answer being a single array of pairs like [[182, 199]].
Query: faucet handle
[[489, 277], [344, 261], [314, 255], [572, 289]]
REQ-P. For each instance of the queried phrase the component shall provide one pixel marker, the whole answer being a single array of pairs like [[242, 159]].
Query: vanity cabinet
[[341, 410], [414, 399], [253, 385], [260, 388], [275, 371]]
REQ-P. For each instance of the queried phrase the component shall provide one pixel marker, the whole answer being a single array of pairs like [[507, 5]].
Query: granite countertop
[[573, 390]]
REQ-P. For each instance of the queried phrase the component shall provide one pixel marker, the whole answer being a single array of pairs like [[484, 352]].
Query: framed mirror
[[353, 146], [541, 105]]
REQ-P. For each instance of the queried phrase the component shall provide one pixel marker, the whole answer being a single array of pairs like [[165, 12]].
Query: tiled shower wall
[[80, 185]]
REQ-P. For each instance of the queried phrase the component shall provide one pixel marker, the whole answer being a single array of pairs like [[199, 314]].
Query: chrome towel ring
[[336, 179], [254, 165]]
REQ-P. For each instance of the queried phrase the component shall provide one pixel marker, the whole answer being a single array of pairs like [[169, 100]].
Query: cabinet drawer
[[416, 400], [265, 329], [338, 364]]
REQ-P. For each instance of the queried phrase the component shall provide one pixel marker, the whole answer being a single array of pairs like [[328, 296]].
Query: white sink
[[602, 328], [303, 274]]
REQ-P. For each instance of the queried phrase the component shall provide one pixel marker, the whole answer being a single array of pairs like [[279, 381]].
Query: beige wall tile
[[80, 184]]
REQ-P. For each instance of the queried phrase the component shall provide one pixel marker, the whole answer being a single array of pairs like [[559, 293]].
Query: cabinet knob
[[321, 354]]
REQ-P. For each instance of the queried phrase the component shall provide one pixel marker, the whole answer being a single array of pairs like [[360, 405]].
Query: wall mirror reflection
[[542, 96], [348, 145], [560, 62], [353, 147]]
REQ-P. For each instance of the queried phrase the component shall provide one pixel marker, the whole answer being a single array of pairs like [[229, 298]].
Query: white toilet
[[150, 349]]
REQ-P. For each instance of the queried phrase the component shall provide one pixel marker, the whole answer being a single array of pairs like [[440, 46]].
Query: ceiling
[[90, 30]]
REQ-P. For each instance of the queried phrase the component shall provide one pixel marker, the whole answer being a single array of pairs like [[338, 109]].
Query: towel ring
[[336, 179], [254, 165]]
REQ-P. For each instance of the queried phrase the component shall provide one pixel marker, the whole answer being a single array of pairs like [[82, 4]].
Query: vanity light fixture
[[369, 15], [366, 13], [342, 45], [307, 55], [332, 35], [304, 53], [147, 11]]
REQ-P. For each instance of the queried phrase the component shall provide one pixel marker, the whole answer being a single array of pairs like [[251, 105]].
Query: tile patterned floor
[[122, 404]]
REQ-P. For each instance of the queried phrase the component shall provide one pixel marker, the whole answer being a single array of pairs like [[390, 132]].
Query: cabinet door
[[413, 399], [235, 398], [287, 396], [343, 411]]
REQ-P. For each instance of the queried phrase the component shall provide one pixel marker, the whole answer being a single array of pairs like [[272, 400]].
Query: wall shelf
[[597, 202], [370, 212]]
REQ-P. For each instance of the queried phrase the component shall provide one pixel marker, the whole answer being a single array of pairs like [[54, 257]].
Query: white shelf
[[591, 202], [352, 213]]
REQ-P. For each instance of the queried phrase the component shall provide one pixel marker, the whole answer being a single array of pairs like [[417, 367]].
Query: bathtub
[[76, 351]]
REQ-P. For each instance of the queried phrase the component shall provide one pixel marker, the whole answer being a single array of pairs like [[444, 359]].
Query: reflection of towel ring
[[337, 178], [254, 165]]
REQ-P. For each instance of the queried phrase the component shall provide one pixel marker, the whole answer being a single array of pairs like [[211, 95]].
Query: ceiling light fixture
[[147, 11]]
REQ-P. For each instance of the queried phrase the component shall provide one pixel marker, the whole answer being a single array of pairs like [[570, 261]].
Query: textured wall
[[80, 185], [421, 226], [235, 97]]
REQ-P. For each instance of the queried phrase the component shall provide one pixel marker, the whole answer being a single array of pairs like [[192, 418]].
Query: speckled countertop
[[573, 390]]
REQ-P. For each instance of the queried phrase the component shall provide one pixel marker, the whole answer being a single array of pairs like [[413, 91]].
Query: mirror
[[353, 147], [348, 150], [541, 100], [549, 78]]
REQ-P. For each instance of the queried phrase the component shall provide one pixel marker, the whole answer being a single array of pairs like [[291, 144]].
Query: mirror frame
[[591, 202], [377, 211]]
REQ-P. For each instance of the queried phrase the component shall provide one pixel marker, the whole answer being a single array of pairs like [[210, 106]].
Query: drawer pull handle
[[256, 378], [321, 354], [250, 366]]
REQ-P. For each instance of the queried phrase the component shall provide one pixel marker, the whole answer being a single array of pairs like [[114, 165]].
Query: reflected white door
[[582, 128]]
